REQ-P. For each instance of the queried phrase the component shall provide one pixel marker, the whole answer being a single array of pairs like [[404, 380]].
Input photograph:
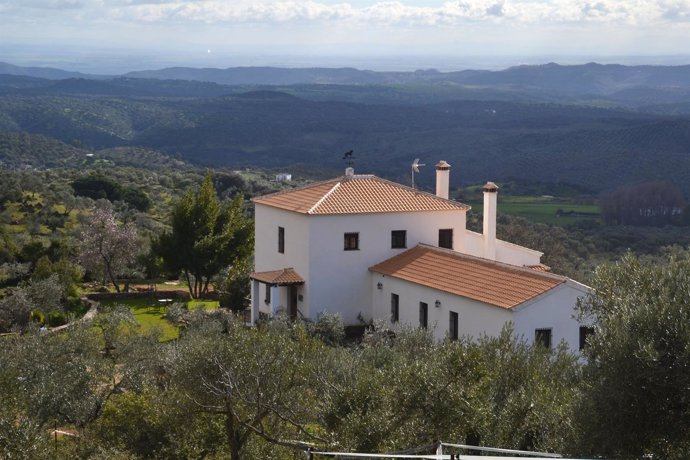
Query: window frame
[[398, 239], [267, 297], [443, 235], [281, 240], [424, 315], [543, 332], [395, 308], [348, 238], [453, 325], [585, 331]]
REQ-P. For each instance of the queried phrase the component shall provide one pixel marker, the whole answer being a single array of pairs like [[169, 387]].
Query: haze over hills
[[597, 126]]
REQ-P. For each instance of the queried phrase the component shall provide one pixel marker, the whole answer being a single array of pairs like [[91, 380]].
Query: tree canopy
[[637, 384], [206, 236]]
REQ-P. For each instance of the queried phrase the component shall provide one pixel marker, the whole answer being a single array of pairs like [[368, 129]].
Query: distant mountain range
[[588, 79]]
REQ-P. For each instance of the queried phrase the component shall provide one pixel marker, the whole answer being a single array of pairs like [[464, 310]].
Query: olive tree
[[637, 385]]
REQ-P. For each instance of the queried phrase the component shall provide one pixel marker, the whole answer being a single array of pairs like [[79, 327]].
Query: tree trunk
[[111, 276], [231, 432], [189, 285]]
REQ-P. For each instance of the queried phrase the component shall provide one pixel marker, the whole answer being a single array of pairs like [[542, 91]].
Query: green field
[[150, 314], [545, 209]]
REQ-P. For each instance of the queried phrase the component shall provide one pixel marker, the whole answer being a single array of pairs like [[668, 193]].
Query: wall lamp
[[437, 303], [379, 285]]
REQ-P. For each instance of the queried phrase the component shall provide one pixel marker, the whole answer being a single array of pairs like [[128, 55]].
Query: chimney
[[349, 171], [442, 179], [490, 203]]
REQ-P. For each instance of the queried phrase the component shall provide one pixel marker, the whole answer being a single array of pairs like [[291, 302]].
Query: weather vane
[[349, 158]]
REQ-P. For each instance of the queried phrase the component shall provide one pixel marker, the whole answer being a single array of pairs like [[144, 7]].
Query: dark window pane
[[453, 326], [445, 238], [543, 337], [585, 331], [351, 241], [281, 240], [395, 308], [423, 314], [399, 239]]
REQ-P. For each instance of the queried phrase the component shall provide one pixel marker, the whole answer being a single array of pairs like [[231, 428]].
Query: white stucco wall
[[266, 256], [475, 318], [554, 310], [339, 279], [506, 252]]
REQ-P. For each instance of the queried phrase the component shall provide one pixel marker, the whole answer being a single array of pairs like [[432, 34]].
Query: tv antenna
[[349, 158], [415, 168]]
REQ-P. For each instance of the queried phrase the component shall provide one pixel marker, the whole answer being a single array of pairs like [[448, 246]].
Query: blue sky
[[330, 28]]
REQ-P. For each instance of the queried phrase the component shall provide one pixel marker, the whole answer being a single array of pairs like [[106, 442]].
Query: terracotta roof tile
[[360, 194], [280, 277], [479, 279]]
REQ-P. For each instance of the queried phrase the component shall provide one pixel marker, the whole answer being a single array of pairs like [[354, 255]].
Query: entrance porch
[[274, 292]]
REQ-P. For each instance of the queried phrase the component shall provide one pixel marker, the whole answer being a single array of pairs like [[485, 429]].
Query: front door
[[292, 302]]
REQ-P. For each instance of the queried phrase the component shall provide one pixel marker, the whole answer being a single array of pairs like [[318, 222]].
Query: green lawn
[[150, 314], [544, 209]]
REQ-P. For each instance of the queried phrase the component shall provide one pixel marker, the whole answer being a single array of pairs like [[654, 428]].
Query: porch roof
[[282, 277]]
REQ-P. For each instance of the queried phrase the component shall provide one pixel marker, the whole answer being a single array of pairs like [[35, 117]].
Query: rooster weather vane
[[349, 158]]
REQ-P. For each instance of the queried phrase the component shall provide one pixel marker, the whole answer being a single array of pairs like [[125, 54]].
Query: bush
[[56, 318], [38, 317], [329, 328]]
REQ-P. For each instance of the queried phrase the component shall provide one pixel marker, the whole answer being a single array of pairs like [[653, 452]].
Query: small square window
[[542, 337], [423, 314], [445, 238], [398, 239], [395, 308], [585, 331], [281, 240], [351, 241]]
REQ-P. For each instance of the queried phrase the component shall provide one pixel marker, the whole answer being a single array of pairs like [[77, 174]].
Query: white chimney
[[349, 171], [490, 204], [442, 179]]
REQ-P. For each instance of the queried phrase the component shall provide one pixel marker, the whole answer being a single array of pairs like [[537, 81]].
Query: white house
[[368, 248]]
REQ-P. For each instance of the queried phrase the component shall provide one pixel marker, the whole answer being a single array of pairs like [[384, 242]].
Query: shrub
[[56, 318], [38, 317]]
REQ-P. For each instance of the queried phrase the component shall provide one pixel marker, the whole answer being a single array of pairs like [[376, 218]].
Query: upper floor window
[[281, 240], [542, 337], [398, 239], [453, 326], [423, 314], [395, 308], [351, 241], [445, 238]]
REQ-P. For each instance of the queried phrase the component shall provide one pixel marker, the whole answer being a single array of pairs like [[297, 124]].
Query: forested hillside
[[499, 140]]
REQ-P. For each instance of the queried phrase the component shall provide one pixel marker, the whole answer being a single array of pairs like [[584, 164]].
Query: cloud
[[397, 12]]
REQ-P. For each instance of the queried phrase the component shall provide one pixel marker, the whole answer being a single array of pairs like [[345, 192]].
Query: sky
[[460, 33]]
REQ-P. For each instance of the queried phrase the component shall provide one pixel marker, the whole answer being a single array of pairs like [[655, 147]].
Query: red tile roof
[[494, 283], [359, 194], [282, 277]]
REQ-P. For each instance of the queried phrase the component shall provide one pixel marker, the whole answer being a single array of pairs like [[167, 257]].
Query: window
[[423, 314], [268, 294], [351, 241], [445, 238], [395, 308], [585, 331], [281, 240], [398, 239], [453, 326], [542, 337]]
